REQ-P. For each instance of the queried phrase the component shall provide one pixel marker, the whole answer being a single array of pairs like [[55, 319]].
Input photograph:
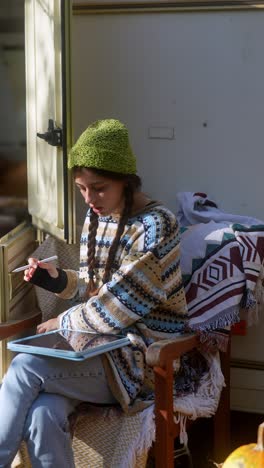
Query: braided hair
[[132, 184]]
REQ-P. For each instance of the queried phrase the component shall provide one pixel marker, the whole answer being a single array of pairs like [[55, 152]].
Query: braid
[[133, 183], [129, 195], [91, 252]]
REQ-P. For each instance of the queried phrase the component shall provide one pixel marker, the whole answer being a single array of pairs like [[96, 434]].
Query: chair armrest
[[165, 351], [13, 327]]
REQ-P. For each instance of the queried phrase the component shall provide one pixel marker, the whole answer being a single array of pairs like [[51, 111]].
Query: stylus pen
[[46, 260]]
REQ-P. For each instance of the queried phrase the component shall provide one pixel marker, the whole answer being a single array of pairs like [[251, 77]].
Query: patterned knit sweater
[[144, 298]]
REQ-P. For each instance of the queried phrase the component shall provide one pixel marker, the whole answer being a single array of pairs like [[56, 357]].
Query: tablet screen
[[66, 340]]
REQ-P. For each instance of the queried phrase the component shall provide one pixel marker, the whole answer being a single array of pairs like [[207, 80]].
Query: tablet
[[68, 344]]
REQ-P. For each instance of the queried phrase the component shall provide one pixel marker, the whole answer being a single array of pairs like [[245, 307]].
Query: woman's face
[[105, 196]]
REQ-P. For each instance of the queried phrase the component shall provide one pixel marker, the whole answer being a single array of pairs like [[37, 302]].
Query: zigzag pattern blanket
[[221, 264]]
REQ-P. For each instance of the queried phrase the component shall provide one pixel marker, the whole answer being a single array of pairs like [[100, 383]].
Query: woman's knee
[[25, 372], [21, 362]]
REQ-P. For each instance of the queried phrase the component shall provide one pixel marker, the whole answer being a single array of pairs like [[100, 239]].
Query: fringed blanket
[[221, 263]]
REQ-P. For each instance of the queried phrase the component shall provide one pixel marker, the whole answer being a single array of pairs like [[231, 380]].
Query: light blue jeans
[[37, 396]]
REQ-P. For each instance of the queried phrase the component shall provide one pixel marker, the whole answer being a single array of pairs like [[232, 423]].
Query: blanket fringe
[[141, 444], [226, 318], [204, 402]]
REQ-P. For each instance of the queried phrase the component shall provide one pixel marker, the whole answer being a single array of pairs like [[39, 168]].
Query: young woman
[[129, 283]]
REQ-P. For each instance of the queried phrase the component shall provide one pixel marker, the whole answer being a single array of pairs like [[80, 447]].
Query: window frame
[[132, 6]]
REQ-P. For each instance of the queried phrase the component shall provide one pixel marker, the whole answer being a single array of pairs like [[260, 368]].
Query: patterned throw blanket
[[222, 266]]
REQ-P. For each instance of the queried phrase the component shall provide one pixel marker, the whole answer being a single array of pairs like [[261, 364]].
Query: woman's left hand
[[52, 324]]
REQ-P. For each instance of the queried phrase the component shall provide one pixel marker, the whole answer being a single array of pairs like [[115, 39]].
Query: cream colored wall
[[190, 88], [198, 75]]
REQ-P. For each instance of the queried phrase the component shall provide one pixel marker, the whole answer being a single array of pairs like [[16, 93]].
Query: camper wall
[[189, 85]]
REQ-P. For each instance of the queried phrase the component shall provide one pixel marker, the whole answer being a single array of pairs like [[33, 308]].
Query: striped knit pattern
[[145, 296]]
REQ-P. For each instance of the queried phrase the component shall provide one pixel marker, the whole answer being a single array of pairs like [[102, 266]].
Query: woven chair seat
[[103, 437]]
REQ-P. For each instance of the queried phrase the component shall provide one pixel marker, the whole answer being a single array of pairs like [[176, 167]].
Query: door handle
[[53, 136]]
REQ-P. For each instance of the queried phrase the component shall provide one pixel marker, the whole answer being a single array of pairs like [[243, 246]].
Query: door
[[47, 35], [50, 194]]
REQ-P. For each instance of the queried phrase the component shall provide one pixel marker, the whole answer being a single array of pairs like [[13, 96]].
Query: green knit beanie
[[104, 145]]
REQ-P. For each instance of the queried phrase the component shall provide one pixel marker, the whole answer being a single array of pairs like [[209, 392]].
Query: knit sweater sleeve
[[142, 283]]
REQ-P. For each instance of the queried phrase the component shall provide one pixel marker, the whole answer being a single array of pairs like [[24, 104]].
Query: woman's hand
[[52, 324], [35, 263]]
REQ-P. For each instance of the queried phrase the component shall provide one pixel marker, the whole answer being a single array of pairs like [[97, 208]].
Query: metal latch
[[53, 135]]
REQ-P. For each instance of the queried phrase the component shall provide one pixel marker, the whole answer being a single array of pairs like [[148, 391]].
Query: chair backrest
[[68, 258]]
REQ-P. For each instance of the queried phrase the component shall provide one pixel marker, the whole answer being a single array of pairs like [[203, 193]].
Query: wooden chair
[[160, 356]]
